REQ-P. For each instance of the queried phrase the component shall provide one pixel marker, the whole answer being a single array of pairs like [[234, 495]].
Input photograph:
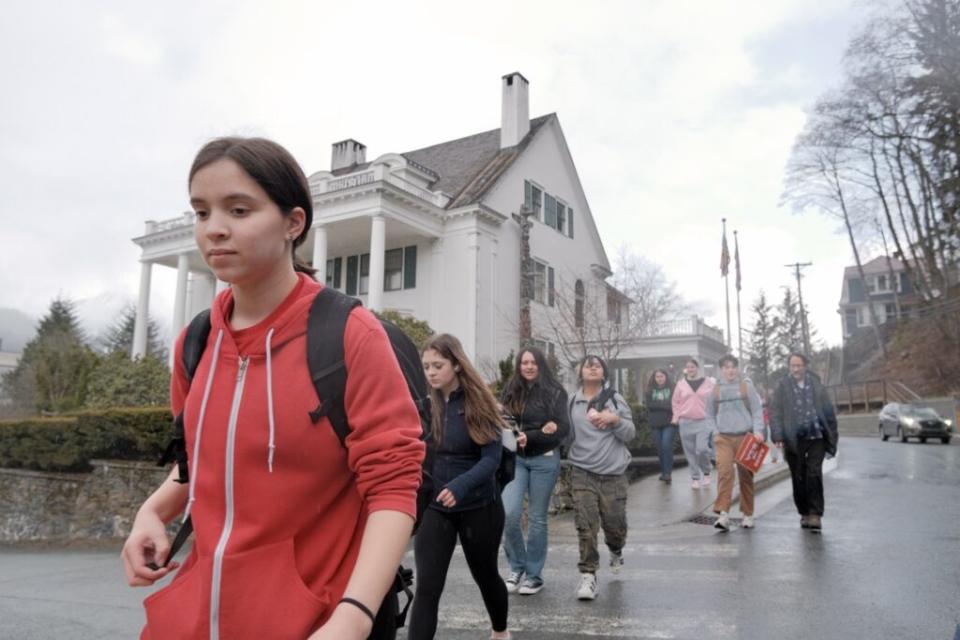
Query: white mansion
[[432, 233]]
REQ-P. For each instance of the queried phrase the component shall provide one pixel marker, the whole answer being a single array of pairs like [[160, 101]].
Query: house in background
[[433, 233], [892, 296], [888, 286]]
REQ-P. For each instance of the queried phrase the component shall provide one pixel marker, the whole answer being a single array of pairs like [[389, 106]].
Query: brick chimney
[[347, 153], [515, 111]]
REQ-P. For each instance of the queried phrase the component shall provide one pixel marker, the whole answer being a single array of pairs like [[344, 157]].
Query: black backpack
[[326, 323]]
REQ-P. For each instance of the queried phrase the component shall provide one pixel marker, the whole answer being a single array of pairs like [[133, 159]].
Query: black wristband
[[362, 607]]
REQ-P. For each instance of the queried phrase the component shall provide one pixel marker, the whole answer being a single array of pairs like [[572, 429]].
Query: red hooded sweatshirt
[[278, 504]]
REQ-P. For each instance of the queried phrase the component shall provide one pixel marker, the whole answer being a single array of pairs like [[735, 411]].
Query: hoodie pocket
[[181, 609], [262, 595]]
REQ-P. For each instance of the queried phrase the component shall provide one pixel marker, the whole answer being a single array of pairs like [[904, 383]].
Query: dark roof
[[468, 167]]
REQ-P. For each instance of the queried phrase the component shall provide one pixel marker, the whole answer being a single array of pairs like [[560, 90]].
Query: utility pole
[[796, 266], [526, 272]]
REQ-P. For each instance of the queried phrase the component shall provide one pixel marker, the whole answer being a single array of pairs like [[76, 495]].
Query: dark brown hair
[[480, 407], [274, 169], [515, 393]]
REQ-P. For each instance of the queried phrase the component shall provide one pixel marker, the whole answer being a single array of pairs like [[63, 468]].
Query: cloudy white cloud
[[677, 113]]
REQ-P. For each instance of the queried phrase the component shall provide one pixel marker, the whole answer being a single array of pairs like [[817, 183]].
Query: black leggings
[[479, 531]]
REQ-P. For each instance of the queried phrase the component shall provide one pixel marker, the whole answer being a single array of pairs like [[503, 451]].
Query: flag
[[724, 256], [736, 257]]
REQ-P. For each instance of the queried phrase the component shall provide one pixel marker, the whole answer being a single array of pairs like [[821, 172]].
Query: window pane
[[393, 270], [352, 268], [365, 273], [561, 218], [550, 211], [410, 267], [536, 197], [539, 282], [330, 273]]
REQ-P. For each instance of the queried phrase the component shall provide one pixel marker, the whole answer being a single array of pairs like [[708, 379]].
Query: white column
[[180, 302], [470, 342], [143, 312], [436, 283], [320, 252], [378, 244]]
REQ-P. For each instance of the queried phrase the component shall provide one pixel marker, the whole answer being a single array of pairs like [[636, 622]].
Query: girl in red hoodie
[[296, 536]]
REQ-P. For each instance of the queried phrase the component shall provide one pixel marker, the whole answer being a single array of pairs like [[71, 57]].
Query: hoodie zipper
[[228, 491]]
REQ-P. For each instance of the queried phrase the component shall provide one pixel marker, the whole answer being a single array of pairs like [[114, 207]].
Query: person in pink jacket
[[689, 412]]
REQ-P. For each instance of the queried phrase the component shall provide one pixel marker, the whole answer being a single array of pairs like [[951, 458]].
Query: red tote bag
[[752, 452]]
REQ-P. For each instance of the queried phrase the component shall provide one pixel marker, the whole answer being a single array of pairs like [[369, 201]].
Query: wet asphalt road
[[887, 566]]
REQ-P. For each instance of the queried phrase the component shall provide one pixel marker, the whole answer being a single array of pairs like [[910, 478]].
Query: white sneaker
[[530, 586], [616, 561], [513, 582], [588, 587], [723, 522], [705, 482], [748, 522], [695, 484]]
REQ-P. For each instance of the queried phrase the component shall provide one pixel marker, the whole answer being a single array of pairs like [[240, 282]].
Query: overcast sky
[[677, 114]]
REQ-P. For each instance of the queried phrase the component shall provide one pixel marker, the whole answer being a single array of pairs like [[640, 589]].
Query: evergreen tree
[[55, 367], [119, 336], [760, 350], [119, 381], [787, 330]]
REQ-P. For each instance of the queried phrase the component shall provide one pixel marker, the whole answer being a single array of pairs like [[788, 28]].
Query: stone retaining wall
[[38, 505]]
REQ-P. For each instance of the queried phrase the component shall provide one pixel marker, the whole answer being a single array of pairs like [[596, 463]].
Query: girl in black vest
[[466, 427]]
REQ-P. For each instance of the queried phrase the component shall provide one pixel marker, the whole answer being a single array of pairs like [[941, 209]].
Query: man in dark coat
[[803, 422]]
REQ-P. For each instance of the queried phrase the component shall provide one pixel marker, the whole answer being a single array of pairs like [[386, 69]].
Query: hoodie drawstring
[[203, 411], [270, 444]]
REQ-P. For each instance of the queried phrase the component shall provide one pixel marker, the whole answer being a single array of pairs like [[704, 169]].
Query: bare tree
[[818, 177], [589, 316], [653, 296]]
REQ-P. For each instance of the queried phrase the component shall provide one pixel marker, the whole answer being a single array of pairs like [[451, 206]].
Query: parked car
[[913, 421]]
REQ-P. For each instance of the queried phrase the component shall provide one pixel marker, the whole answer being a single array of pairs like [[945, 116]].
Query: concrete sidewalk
[[652, 503]]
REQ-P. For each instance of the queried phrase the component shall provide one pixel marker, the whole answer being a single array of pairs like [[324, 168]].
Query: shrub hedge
[[68, 443]]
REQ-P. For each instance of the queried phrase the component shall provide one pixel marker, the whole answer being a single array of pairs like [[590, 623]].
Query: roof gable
[[469, 166]]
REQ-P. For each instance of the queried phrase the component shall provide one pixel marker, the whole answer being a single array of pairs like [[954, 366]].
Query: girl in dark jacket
[[538, 403], [466, 427], [660, 415]]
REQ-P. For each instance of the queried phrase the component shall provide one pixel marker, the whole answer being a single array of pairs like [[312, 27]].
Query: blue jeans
[[535, 475], [663, 439]]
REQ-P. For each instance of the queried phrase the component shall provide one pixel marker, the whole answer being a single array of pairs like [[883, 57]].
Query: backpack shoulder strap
[[326, 323], [744, 397], [194, 344]]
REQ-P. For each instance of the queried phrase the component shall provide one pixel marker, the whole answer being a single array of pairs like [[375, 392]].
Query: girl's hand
[[521, 440], [594, 417], [146, 544], [608, 419], [549, 428], [446, 498]]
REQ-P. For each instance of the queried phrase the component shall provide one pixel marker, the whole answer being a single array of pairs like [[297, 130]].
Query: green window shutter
[[410, 267], [352, 272], [550, 286], [337, 272], [527, 195], [570, 222], [550, 211]]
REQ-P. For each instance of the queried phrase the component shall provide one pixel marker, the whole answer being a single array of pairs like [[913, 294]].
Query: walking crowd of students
[[299, 525]]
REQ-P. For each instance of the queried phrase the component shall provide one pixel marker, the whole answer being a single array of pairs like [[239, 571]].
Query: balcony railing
[[186, 219], [692, 326]]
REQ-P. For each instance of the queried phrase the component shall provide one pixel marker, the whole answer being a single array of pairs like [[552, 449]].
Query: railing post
[[850, 397], [866, 397]]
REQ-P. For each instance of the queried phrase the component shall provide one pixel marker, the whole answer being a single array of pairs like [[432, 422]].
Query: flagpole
[[726, 282], [736, 253]]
